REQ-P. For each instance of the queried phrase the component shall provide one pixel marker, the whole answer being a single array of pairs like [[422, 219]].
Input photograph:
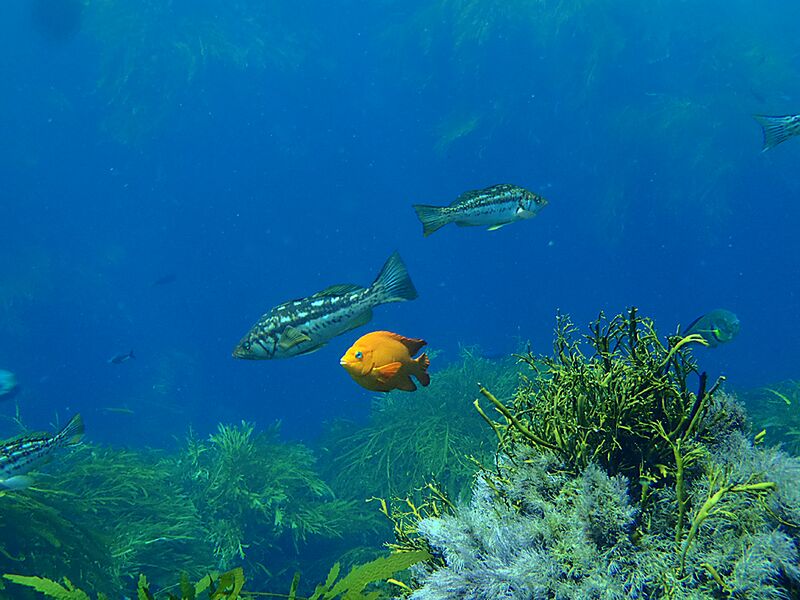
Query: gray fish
[[118, 359], [778, 129], [165, 279], [307, 324], [19, 455], [493, 207], [716, 327], [8, 382]]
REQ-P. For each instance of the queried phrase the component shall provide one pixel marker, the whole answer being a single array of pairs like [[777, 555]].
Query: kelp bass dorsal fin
[[493, 190], [467, 196], [339, 289], [21, 438]]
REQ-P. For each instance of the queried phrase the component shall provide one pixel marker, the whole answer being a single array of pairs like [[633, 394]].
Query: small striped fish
[[778, 129], [307, 324], [493, 207], [19, 455]]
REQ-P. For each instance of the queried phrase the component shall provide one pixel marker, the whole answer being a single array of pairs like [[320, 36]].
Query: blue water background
[[258, 182]]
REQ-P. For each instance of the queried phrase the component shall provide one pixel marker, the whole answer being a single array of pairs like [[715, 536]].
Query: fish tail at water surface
[[393, 283], [432, 218], [777, 129]]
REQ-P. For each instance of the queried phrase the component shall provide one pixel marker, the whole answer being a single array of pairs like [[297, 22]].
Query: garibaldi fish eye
[[305, 325]]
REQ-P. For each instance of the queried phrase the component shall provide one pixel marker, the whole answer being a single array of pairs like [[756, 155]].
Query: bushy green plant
[[620, 397], [240, 496], [134, 499], [36, 536], [614, 480], [102, 516], [261, 499]]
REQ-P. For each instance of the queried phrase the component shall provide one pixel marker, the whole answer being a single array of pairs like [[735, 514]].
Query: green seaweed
[[141, 516], [351, 586], [261, 500], [229, 585], [775, 408], [239, 475], [622, 399], [240, 496], [50, 588], [102, 517]]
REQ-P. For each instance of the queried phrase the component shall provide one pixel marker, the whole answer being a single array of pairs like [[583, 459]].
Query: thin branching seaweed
[[412, 439]]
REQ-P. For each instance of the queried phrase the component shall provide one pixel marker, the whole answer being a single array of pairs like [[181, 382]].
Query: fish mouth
[[343, 362], [240, 352]]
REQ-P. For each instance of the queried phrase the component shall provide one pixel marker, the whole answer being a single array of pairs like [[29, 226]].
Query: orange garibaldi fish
[[382, 361]]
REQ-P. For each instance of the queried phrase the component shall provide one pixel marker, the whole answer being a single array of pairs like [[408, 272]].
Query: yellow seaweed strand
[[515, 422]]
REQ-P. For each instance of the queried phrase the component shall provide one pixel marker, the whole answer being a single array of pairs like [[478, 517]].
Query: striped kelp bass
[[493, 207], [778, 129], [305, 325], [19, 455]]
